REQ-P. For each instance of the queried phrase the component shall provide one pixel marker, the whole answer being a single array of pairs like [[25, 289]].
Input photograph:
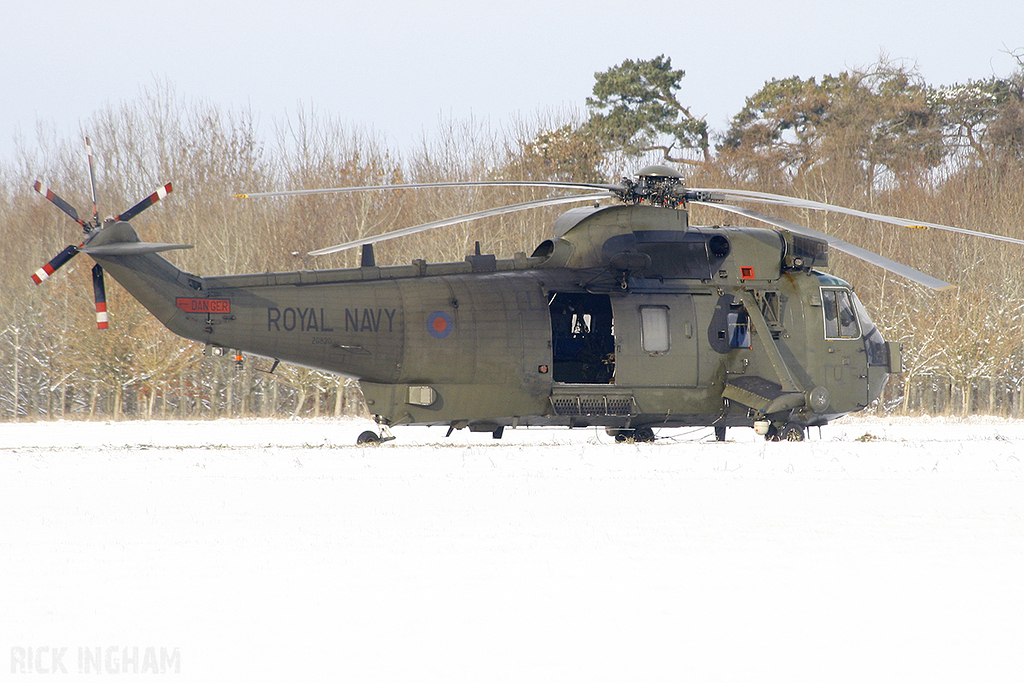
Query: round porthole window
[[718, 246]]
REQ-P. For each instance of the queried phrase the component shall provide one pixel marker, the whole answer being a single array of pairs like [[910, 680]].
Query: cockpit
[[845, 318]]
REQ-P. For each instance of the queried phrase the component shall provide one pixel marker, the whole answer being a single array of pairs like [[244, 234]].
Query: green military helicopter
[[628, 317]]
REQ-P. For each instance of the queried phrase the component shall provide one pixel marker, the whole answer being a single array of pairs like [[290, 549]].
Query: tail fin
[[140, 269]]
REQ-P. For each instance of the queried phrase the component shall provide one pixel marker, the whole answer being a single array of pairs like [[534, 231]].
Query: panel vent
[[808, 252], [580, 406]]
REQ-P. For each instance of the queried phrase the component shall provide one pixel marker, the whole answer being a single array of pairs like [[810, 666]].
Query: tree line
[[879, 139]]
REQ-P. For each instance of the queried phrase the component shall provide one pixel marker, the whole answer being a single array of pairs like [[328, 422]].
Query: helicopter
[[628, 318]]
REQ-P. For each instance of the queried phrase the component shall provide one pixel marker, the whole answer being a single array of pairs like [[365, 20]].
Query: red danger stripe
[[42, 274], [204, 305], [101, 315]]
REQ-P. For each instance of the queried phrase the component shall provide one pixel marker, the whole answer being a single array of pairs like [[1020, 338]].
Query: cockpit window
[[874, 345], [840, 314]]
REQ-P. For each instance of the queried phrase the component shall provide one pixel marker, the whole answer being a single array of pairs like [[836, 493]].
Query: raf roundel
[[440, 324]]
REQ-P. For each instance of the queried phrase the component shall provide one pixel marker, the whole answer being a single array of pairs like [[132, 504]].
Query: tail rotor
[[90, 228]]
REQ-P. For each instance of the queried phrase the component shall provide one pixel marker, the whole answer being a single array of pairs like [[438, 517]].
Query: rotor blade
[[461, 219], [100, 292], [56, 262], [145, 203], [58, 202], [132, 248], [92, 182], [843, 246], [418, 186], [710, 196]]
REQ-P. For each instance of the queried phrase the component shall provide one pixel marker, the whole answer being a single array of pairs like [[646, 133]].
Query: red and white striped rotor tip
[[56, 262], [56, 200], [145, 203], [100, 292]]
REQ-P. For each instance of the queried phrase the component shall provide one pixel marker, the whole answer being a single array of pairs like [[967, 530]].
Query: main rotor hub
[[658, 185]]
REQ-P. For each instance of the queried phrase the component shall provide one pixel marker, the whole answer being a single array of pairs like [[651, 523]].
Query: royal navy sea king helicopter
[[628, 317]]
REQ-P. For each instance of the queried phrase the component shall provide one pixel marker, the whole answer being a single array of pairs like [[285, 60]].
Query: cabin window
[[739, 328], [654, 335], [840, 314]]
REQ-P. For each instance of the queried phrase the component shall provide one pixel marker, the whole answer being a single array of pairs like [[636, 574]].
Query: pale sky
[[400, 67]]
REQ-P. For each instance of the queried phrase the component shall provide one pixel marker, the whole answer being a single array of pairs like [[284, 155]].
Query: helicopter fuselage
[[627, 318]]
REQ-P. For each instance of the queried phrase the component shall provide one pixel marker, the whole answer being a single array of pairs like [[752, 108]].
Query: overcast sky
[[399, 67]]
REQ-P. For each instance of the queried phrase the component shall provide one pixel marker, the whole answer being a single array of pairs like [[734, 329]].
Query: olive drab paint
[[451, 345], [628, 318]]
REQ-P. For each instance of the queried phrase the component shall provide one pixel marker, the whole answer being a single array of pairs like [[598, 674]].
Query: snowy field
[[881, 550]]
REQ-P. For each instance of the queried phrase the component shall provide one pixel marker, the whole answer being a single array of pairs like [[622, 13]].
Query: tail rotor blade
[[145, 203], [92, 182], [100, 292], [56, 262], [58, 202]]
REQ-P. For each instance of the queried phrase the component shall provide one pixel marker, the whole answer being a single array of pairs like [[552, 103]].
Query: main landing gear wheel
[[791, 432], [638, 435], [643, 435]]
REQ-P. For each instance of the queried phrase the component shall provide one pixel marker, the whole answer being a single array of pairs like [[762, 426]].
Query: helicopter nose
[[879, 375]]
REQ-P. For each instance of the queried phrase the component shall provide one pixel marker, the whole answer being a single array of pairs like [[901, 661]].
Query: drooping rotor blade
[[56, 262], [711, 196], [419, 186], [841, 245], [132, 248], [100, 292], [145, 203], [58, 202], [552, 201], [92, 182]]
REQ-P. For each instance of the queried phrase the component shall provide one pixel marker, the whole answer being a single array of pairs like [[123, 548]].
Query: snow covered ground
[[881, 550]]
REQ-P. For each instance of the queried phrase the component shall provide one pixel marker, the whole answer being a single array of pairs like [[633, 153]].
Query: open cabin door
[[605, 347], [582, 338]]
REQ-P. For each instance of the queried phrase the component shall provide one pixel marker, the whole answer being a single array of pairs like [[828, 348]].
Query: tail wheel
[[368, 438]]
